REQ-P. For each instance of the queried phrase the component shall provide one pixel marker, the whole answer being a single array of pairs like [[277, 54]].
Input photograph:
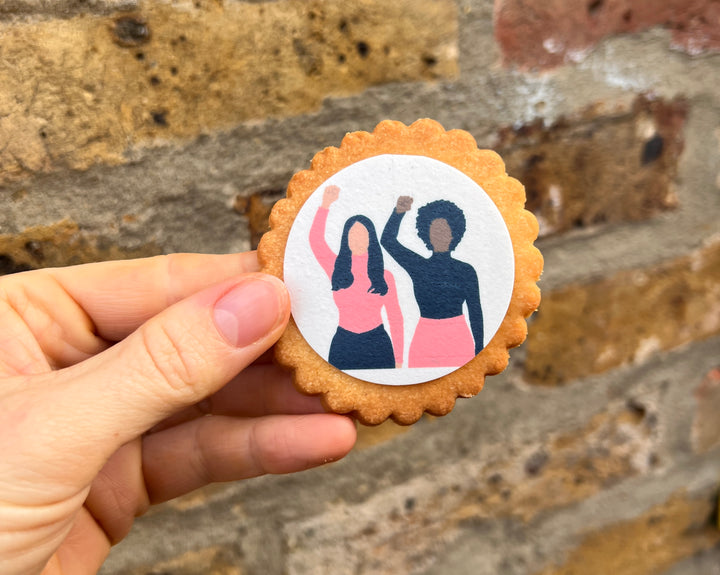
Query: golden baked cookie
[[410, 263]]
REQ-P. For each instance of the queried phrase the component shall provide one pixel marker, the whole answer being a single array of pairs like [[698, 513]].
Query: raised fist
[[404, 204], [330, 195]]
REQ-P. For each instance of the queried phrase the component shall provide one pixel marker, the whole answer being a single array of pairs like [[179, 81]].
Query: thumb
[[175, 359]]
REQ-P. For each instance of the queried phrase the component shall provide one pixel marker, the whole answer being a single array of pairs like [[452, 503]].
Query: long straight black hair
[[342, 274]]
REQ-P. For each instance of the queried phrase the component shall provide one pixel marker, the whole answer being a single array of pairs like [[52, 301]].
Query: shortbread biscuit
[[410, 263]]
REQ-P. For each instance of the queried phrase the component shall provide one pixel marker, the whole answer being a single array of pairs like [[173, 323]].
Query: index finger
[[119, 296]]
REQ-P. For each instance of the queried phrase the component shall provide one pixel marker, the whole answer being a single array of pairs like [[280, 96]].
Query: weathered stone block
[[60, 244], [567, 468], [589, 328], [599, 168], [84, 90], [397, 530], [648, 544]]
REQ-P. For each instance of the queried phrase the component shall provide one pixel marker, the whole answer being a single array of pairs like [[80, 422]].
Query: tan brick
[[706, 424], [83, 90], [590, 328], [646, 545], [531, 35], [60, 244], [599, 168], [209, 561]]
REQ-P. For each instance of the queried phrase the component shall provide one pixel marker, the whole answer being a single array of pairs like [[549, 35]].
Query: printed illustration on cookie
[[404, 301], [441, 283], [361, 288]]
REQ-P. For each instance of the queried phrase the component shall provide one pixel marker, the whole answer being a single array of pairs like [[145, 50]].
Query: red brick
[[548, 33]]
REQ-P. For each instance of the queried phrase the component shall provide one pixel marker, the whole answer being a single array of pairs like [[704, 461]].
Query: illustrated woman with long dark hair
[[361, 289], [441, 284]]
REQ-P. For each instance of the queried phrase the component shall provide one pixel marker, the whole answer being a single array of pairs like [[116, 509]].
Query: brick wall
[[130, 127]]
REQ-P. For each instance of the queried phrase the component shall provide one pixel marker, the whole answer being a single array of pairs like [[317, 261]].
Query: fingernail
[[248, 312]]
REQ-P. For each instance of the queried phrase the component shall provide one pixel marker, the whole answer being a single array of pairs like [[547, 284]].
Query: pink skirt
[[441, 343]]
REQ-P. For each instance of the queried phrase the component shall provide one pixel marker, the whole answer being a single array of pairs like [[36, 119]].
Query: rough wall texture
[[131, 127]]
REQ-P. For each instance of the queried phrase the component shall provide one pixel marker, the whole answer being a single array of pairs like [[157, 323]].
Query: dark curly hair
[[440, 209]]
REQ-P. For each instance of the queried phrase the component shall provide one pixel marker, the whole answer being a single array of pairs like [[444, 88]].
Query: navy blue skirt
[[368, 350]]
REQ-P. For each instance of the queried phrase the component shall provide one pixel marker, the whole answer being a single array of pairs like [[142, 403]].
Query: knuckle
[[201, 462], [171, 358]]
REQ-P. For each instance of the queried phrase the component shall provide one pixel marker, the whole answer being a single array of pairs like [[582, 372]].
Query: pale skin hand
[[120, 387], [330, 195]]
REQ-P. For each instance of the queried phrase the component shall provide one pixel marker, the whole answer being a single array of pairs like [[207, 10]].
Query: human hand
[[404, 204], [119, 388], [330, 195]]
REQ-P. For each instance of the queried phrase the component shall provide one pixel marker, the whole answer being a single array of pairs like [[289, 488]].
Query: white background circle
[[371, 188]]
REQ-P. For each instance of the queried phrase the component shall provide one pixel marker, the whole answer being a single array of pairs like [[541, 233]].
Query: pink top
[[359, 309]]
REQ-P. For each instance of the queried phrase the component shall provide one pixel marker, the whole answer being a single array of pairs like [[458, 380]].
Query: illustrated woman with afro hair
[[361, 288], [441, 284]]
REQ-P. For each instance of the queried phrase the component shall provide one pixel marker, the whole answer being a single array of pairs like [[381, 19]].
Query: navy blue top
[[441, 284]]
